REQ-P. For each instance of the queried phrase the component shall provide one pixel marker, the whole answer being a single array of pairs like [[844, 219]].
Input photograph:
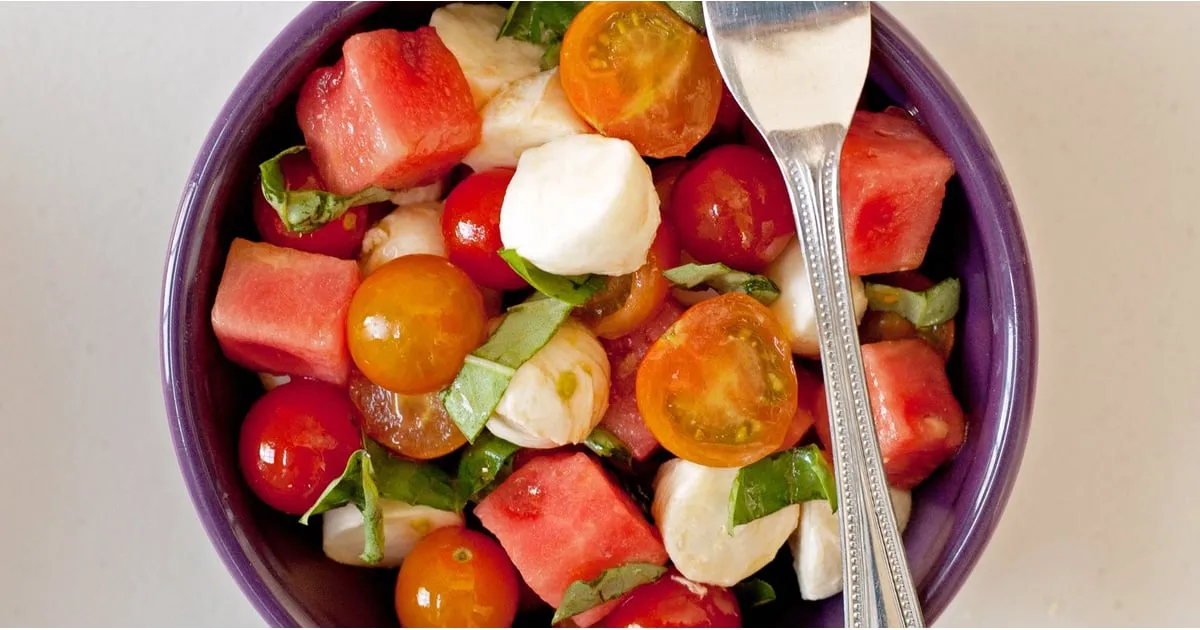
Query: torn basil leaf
[[306, 210], [773, 483], [541, 23], [691, 12], [356, 485], [936, 305], [753, 592], [574, 290], [603, 443], [583, 596], [475, 392], [413, 483], [724, 280], [483, 464]]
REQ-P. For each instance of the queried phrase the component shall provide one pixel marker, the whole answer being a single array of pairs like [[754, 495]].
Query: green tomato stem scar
[[462, 554]]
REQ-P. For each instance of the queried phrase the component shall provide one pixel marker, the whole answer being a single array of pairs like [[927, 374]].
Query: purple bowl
[[279, 563]]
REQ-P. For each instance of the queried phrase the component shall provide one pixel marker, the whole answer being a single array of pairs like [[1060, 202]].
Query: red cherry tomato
[[751, 137], [729, 118], [471, 227], [808, 387], [456, 578], [676, 602], [732, 206], [340, 238], [295, 441]]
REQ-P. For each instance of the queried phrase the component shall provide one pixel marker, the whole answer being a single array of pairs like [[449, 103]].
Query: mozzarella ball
[[343, 534], [795, 309], [411, 229], [471, 33]]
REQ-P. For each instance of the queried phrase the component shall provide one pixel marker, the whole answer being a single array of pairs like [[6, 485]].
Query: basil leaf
[[574, 290], [691, 12], [775, 482], [475, 392], [306, 210], [550, 57], [936, 305], [356, 485], [583, 596], [605, 444], [413, 483], [484, 463], [753, 592], [541, 23], [724, 280]]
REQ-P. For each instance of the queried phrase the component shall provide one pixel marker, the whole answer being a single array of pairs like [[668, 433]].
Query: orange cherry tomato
[[719, 387], [415, 426], [626, 302], [457, 578], [413, 321], [637, 71]]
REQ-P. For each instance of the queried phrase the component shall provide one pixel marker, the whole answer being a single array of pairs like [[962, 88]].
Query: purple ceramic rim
[[944, 111]]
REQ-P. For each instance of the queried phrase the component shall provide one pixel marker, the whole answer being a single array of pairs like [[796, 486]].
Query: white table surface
[[1092, 110]]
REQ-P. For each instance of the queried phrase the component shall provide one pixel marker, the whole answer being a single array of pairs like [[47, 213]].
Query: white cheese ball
[[795, 309], [470, 32], [581, 204], [411, 229], [343, 534], [691, 509], [420, 194], [559, 395]]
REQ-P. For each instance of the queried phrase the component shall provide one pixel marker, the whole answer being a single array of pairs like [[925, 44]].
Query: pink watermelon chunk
[[625, 354], [893, 181], [394, 112], [283, 311], [561, 519]]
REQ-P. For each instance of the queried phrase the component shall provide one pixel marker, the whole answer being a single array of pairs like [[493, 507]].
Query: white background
[[1092, 109]]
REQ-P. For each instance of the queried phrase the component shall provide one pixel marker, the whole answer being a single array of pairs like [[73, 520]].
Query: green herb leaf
[[413, 483], [541, 23], [583, 596], [605, 444], [307, 210], [356, 485], [573, 290], [724, 280], [484, 463], [775, 482], [753, 592], [475, 392], [936, 305], [550, 57], [691, 12]]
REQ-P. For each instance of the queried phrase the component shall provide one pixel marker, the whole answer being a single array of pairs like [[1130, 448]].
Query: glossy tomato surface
[[413, 321], [626, 302], [413, 425], [732, 207], [808, 387], [471, 228], [340, 238], [295, 441], [457, 578], [719, 387], [637, 71], [676, 602]]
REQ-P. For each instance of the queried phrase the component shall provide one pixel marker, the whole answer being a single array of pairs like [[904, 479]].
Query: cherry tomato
[[732, 206], [752, 138], [295, 441], [456, 578], [808, 387], [637, 71], [719, 387], [626, 302], [415, 426], [728, 125], [471, 227], [665, 175], [341, 238], [676, 602], [885, 326], [413, 321]]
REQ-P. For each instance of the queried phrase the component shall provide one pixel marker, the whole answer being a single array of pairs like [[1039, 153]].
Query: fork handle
[[877, 585]]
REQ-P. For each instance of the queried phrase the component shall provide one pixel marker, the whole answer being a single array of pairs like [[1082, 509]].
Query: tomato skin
[[732, 206], [676, 602], [719, 387], [627, 302], [808, 388], [415, 426], [637, 71], [295, 441], [413, 321], [752, 138], [728, 125], [885, 326], [471, 228], [455, 578], [341, 238]]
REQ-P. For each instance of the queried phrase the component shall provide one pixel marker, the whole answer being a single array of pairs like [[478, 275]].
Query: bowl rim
[[1013, 300]]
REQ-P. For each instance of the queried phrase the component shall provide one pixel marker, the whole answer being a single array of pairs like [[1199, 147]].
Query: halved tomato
[[626, 302]]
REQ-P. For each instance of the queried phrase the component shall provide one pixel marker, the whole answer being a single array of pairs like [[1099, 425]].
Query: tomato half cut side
[[626, 302], [413, 425]]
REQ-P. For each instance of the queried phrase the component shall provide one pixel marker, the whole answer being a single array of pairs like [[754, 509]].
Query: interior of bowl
[[279, 563]]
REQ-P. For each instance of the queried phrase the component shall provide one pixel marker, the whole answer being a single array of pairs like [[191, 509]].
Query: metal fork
[[797, 69]]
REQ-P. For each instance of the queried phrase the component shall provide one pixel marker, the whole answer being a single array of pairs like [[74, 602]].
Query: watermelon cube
[[394, 112], [893, 181], [919, 422], [625, 354], [561, 519], [283, 311]]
